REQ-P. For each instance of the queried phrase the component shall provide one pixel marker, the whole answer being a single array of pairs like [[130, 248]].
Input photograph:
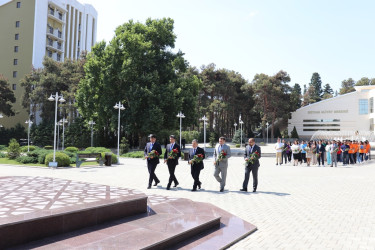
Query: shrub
[[238, 145], [48, 147], [2, 155], [97, 150], [14, 149], [31, 148], [114, 157], [212, 140], [237, 136], [39, 155], [27, 159], [72, 156], [72, 149], [62, 159], [134, 154], [124, 146], [190, 135], [3, 147]]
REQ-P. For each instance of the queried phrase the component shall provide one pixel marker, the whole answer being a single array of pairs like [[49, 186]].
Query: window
[[49, 53], [324, 129], [15, 62], [60, 16], [14, 74], [51, 11], [59, 45], [363, 106], [372, 105], [15, 48], [50, 42], [50, 30], [59, 34], [58, 58], [322, 120], [14, 86], [16, 36], [321, 125], [18, 5], [17, 24]]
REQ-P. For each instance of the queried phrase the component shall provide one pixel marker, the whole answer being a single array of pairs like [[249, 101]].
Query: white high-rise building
[[33, 29]]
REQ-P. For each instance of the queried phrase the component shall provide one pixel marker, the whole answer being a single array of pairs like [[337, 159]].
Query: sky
[[335, 38]]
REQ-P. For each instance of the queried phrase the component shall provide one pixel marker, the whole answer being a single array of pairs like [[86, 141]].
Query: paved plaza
[[294, 208]]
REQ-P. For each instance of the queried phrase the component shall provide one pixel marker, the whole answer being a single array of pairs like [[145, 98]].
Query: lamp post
[[204, 119], [63, 122], [267, 131], [235, 127], [120, 107], [28, 122], [92, 123], [1, 116], [60, 99], [180, 115], [241, 122]]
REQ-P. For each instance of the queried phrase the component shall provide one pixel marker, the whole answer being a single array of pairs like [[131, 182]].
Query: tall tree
[[363, 82], [295, 97], [6, 97], [327, 92], [316, 82], [347, 86]]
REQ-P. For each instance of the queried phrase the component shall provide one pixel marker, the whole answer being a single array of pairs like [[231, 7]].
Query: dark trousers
[[172, 177], [321, 158], [248, 169], [284, 157], [345, 158], [289, 157], [151, 170], [351, 158], [195, 174], [303, 155]]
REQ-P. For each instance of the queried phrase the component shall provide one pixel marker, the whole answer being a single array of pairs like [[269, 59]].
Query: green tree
[[347, 86], [363, 82], [237, 137], [316, 82], [294, 133], [6, 98], [327, 92], [14, 149], [295, 97]]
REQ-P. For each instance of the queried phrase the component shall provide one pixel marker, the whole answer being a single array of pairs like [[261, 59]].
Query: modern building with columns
[[33, 29], [350, 114]]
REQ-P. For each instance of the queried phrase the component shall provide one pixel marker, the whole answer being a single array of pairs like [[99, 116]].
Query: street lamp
[[120, 107], [1, 116], [267, 131], [241, 122], [235, 127], [28, 122], [92, 123], [63, 122], [204, 119], [60, 99], [180, 115]]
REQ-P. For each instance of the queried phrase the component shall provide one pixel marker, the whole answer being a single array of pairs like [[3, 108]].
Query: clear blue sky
[[335, 38]]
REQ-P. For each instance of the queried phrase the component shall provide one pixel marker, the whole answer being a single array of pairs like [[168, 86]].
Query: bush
[[212, 140], [72, 149], [238, 145], [237, 137], [62, 159], [97, 150], [2, 155], [39, 155], [31, 148], [134, 154], [72, 156], [114, 157], [27, 159], [3, 147], [14, 149], [48, 147], [124, 146], [190, 135]]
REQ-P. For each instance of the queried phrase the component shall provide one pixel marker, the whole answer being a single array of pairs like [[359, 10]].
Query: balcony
[[55, 46], [55, 34], [56, 15]]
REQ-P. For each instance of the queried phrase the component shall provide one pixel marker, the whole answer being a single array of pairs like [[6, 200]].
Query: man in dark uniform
[[196, 167], [172, 163], [152, 162], [251, 167]]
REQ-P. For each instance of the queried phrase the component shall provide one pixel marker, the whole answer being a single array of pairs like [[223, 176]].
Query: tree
[[295, 97], [308, 97], [347, 86], [6, 97], [139, 69], [363, 82], [294, 133], [316, 82], [237, 137], [327, 92]]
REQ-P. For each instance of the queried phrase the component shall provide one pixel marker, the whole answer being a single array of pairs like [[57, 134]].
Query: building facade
[[349, 112], [33, 29]]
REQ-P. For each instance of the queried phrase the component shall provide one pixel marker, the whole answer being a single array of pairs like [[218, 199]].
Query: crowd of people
[[322, 152]]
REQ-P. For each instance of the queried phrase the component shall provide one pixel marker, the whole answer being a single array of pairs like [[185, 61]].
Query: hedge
[[62, 159], [31, 148], [71, 149]]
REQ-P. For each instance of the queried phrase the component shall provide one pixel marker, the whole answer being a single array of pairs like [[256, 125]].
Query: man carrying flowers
[[152, 153], [252, 155], [221, 155], [171, 155]]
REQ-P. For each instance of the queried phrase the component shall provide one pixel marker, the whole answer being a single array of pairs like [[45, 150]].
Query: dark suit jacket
[[321, 148], [156, 147], [197, 152], [247, 155], [168, 149]]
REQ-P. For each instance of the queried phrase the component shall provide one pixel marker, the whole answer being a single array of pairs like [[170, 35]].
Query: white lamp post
[[28, 122], [204, 119], [60, 99], [120, 107], [267, 131], [235, 127], [241, 122], [63, 122], [180, 115], [92, 123], [1, 116]]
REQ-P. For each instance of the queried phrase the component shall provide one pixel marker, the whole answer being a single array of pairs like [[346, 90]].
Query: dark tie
[[151, 146]]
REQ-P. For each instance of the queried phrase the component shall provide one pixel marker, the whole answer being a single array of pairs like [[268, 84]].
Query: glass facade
[[363, 106]]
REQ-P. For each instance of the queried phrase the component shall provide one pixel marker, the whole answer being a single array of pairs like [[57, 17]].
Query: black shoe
[[243, 189], [169, 187], [254, 190], [176, 184], [199, 185], [149, 187], [156, 183], [193, 190], [222, 190]]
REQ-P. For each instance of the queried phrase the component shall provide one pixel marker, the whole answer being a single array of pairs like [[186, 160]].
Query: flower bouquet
[[153, 154], [197, 159], [296, 151], [222, 155], [253, 157], [173, 154], [336, 150]]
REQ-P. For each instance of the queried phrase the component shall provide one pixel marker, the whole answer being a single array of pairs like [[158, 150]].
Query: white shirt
[[279, 147]]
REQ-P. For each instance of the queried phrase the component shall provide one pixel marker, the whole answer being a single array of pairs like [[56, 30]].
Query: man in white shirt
[[279, 149]]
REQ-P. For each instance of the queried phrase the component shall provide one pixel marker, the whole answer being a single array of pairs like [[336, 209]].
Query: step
[[37, 207]]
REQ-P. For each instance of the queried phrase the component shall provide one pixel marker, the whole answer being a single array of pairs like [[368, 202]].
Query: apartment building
[[33, 29]]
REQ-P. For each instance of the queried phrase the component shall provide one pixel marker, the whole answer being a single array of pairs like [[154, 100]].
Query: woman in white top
[[296, 152], [328, 152]]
